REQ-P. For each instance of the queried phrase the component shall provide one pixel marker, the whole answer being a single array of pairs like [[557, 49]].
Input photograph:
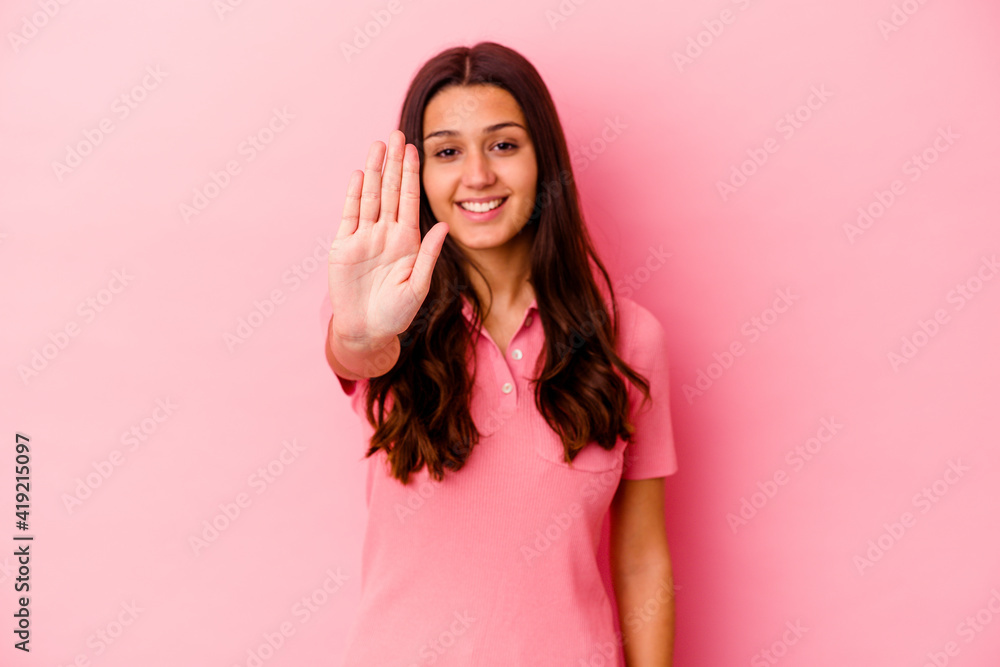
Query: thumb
[[423, 267]]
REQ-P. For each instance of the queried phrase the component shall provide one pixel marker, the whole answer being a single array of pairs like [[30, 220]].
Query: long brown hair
[[578, 391]]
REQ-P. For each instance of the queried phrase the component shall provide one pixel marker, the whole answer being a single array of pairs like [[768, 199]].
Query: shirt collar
[[467, 308]]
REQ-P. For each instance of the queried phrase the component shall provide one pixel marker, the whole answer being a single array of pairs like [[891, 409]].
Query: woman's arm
[[371, 362], [641, 573]]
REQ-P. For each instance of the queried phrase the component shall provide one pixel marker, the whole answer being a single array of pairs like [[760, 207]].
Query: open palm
[[379, 271]]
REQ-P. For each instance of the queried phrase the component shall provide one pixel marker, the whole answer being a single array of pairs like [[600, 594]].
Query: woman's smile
[[481, 211]]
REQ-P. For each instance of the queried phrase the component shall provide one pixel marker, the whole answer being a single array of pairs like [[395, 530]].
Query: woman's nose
[[476, 172]]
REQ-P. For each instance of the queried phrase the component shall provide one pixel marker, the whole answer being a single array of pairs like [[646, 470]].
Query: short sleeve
[[349, 386], [355, 389], [651, 453]]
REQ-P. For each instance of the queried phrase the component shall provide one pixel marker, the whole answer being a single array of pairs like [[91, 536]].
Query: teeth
[[476, 207]]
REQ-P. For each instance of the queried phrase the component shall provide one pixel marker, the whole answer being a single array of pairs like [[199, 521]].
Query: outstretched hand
[[380, 271]]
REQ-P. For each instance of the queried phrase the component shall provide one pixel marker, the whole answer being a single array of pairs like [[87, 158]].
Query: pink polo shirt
[[497, 563]]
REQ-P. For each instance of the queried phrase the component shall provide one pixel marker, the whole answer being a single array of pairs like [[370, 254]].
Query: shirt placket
[[508, 369]]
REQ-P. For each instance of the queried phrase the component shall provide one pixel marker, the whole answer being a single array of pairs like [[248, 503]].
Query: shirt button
[[516, 354], [507, 387], [527, 321]]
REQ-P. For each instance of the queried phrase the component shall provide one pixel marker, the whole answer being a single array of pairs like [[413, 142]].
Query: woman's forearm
[[646, 615]]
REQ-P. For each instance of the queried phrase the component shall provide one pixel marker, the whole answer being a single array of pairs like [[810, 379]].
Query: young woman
[[510, 400]]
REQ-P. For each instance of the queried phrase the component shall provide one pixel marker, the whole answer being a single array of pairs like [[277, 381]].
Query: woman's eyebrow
[[486, 130]]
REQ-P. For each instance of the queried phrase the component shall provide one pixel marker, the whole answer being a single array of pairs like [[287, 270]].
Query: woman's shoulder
[[636, 319], [641, 335]]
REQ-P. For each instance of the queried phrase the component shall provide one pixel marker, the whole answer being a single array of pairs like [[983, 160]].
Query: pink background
[[163, 330]]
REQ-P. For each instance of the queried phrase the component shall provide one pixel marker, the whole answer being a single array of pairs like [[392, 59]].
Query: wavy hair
[[579, 390]]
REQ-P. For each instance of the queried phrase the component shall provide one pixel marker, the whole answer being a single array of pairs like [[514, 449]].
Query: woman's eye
[[444, 152]]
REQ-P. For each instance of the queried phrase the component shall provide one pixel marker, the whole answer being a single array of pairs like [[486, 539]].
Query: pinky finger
[[352, 205]]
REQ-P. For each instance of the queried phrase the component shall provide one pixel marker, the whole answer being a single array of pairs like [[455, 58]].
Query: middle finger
[[392, 177], [370, 197]]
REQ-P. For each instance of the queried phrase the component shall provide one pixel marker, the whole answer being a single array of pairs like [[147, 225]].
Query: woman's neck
[[507, 270]]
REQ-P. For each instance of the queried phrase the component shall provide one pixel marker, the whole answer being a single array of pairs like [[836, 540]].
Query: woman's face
[[477, 147]]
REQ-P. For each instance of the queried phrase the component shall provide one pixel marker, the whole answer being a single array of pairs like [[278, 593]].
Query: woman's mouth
[[482, 211]]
